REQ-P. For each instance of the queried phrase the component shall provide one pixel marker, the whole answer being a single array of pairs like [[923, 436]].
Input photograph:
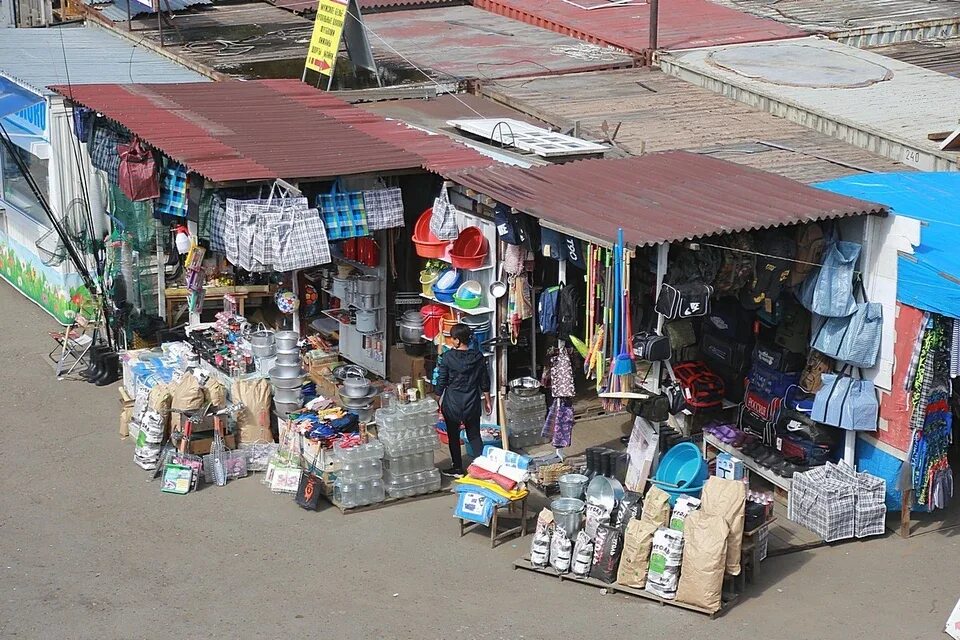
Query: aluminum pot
[[355, 387], [287, 340], [357, 403], [367, 285], [524, 387], [262, 337], [286, 371], [286, 383], [366, 321], [289, 358], [411, 328], [264, 352], [573, 485], [368, 300], [287, 395], [568, 514], [341, 287], [345, 371], [283, 408]]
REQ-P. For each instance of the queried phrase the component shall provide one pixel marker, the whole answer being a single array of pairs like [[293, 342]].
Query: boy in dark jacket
[[461, 381]]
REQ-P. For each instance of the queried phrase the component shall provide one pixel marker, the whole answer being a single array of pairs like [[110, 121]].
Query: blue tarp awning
[[14, 98], [930, 279]]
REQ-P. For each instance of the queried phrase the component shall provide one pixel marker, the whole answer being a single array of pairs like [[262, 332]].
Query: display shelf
[[524, 563], [359, 266], [446, 259], [350, 304], [748, 462], [479, 311]]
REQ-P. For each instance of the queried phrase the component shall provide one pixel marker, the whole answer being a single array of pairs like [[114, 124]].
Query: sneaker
[[452, 472]]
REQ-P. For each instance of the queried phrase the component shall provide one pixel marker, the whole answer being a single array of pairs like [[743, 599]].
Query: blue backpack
[[547, 310]]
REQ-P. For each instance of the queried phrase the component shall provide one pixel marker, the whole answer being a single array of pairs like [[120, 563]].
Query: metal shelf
[[350, 304], [479, 311], [371, 271]]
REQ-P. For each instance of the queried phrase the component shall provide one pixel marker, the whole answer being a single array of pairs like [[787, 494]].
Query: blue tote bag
[[829, 291], [846, 402], [854, 340]]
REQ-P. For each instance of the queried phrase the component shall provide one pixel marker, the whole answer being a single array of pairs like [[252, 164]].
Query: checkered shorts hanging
[[173, 191], [384, 208]]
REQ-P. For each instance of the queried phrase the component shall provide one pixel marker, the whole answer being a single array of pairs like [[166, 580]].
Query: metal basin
[[605, 492]]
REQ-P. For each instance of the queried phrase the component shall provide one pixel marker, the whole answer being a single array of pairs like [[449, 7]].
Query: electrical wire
[[768, 255]]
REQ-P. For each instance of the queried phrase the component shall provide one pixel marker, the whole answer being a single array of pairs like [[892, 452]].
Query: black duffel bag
[[650, 346], [684, 300]]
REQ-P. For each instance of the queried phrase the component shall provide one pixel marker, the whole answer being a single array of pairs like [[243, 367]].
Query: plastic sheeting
[[930, 278]]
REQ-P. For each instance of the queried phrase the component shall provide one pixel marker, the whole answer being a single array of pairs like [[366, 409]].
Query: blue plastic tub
[[682, 465]]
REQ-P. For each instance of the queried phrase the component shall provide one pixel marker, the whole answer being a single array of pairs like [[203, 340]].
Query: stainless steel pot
[[287, 340], [368, 300], [289, 358], [357, 403], [366, 321], [286, 371], [287, 395], [411, 328], [367, 285]]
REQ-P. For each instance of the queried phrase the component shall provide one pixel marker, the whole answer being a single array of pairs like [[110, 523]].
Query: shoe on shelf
[[452, 472]]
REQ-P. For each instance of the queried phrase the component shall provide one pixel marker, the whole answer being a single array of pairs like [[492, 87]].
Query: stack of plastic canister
[[525, 418], [360, 476], [408, 434]]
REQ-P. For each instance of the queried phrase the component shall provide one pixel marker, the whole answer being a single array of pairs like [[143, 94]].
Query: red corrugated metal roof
[[659, 197], [229, 131], [683, 24], [310, 6]]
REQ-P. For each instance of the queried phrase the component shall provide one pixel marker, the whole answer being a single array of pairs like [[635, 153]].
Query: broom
[[623, 363]]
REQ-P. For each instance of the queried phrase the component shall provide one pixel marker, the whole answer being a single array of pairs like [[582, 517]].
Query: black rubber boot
[[97, 369], [93, 361], [111, 366]]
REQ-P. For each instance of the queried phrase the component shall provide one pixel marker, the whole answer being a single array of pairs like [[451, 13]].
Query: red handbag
[[138, 172]]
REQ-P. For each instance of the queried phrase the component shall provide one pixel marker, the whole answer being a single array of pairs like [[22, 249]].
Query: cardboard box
[[126, 412], [402, 364], [729, 467], [201, 446]]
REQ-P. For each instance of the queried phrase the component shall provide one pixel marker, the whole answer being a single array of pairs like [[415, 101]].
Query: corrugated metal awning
[[660, 197]]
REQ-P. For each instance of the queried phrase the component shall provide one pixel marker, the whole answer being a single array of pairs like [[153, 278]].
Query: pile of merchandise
[[676, 547], [360, 477], [408, 433], [836, 502], [494, 479]]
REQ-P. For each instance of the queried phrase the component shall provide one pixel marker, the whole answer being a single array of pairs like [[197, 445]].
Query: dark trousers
[[471, 423]]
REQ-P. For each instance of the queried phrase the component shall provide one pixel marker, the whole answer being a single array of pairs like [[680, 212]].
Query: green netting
[[133, 219]]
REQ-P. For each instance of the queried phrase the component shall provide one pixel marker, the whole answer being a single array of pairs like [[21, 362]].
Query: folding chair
[[73, 344]]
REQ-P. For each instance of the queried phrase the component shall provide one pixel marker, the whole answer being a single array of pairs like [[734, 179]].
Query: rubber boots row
[[103, 367]]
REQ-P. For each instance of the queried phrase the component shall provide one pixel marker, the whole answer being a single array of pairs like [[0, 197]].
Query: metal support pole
[[654, 19]]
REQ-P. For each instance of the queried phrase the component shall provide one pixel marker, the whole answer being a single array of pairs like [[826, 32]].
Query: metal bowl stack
[[286, 376], [357, 394]]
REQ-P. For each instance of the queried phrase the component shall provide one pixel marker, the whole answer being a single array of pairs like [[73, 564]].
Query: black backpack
[[569, 311]]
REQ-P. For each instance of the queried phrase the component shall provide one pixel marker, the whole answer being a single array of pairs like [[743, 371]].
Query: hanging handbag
[[309, 489], [302, 241], [384, 208], [137, 174], [846, 402], [344, 213], [443, 220], [777, 358], [684, 300], [829, 290], [817, 364], [854, 340], [650, 346]]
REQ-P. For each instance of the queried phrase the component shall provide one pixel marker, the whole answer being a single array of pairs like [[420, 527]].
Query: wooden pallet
[[524, 563], [386, 503]]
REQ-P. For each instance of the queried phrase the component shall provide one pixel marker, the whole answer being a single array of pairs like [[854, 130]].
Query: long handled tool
[[623, 363]]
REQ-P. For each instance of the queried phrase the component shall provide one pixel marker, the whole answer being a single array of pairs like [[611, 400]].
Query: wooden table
[[177, 296], [509, 514]]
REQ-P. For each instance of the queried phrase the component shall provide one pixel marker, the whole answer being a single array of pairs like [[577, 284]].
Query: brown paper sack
[[656, 506], [216, 393], [636, 553], [727, 498], [160, 399], [704, 560], [187, 394], [253, 420]]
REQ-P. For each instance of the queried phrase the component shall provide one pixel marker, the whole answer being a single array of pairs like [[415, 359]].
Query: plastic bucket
[[427, 278]]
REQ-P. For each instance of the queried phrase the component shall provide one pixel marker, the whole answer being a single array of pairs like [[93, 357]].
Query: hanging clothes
[[559, 423]]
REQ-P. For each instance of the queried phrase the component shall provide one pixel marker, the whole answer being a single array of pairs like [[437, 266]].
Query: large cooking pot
[[341, 287], [411, 327], [283, 408], [368, 300], [286, 371], [262, 337], [264, 352], [286, 383], [367, 285], [287, 340], [287, 395], [355, 387], [366, 321], [290, 358]]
